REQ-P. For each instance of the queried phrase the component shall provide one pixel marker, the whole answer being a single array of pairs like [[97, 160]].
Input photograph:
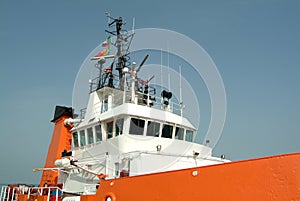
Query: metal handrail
[[16, 192], [4, 195], [40, 191]]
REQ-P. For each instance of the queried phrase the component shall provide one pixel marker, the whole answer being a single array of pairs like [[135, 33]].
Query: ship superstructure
[[129, 127]]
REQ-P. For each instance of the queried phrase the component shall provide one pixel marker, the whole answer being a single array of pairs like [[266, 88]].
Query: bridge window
[[109, 129], [153, 129], [117, 169], [90, 135], [82, 138], [98, 133], [119, 127], [189, 136], [179, 133], [167, 131], [136, 126], [75, 139]]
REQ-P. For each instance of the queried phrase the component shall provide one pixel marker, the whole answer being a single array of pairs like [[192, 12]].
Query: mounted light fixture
[[125, 70], [158, 148], [166, 97], [196, 154]]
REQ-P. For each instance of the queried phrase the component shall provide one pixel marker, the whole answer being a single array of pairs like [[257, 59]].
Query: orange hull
[[275, 178]]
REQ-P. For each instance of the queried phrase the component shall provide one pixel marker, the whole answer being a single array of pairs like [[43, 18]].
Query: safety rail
[[12, 193], [113, 97], [98, 83], [16, 192], [42, 191], [121, 90], [4, 195]]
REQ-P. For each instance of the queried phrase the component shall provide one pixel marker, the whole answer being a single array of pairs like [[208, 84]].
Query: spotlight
[[166, 97]]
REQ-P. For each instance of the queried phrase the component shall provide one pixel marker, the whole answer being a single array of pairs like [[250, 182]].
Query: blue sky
[[254, 44]]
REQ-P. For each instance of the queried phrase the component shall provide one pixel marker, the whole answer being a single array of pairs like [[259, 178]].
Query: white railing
[[4, 195], [112, 98], [12, 194], [16, 192], [39, 191]]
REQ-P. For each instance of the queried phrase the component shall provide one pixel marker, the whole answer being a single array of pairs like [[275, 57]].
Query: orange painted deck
[[275, 178]]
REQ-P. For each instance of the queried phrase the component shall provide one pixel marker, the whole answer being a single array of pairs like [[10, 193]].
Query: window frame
[[162, 131], [82, 143], [117, 129], [176, 133], [186, 137], [153, 129], [95, 133], [88, 135], [75, 141], [131, 123], [108, 123]]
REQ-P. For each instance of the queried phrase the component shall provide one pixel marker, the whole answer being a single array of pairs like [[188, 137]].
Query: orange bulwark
[[61, 140], [275, 178]]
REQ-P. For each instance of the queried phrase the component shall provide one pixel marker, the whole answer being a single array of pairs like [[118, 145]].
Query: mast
[[122, 43], [122, 40]]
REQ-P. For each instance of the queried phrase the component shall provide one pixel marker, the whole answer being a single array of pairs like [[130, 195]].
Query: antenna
[[169, 77], [133, 75], [142, 63], [133, 24], [151, 78], [139, 68], [108, 17], [161, 78], [130, 35], [180, 90]]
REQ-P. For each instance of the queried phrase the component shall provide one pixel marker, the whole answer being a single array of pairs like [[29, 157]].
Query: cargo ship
[[132, 142]]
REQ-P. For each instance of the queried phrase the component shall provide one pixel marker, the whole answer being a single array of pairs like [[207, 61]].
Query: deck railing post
[[48, 194], [2, 193], [56, 196], [13, 194], [8, 194]]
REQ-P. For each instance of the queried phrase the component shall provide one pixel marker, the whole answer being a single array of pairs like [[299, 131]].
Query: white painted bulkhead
[[124, 153]]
